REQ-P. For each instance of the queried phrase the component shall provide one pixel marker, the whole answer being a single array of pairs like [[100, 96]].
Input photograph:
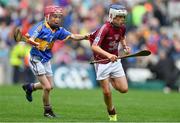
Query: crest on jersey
[[96, 40], [116, 36]]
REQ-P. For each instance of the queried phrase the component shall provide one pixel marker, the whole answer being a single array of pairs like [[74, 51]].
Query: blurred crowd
[[151, 24]]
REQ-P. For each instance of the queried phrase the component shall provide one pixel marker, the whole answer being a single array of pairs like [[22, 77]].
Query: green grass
[[88, 106]]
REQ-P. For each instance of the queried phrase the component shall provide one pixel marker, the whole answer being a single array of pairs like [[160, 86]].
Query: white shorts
[[39, 68], [112, 70]]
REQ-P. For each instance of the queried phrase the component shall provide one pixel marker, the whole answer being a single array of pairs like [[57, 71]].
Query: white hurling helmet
[[116, 10]]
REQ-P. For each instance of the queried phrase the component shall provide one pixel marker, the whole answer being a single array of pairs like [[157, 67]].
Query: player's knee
[[48, 88], [123, 90]]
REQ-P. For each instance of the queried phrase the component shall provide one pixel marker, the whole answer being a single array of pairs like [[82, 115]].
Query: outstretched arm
[[77, 37]]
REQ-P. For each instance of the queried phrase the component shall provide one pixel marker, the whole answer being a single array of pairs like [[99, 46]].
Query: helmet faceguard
[[116, 10]]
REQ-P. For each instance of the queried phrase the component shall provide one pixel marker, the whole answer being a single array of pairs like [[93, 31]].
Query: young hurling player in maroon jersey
[[104, 43]]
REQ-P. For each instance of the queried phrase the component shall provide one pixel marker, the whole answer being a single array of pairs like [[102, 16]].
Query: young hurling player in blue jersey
[[42, 36]]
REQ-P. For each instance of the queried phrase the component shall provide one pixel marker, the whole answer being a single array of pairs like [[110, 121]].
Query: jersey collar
[[47, 26]]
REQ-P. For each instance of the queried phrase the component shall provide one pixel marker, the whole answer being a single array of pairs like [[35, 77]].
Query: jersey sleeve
[[100, 35], [63, 34], [34, 31]]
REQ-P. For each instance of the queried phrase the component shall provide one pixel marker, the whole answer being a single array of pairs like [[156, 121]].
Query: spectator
[[166, 71], [17, 56]]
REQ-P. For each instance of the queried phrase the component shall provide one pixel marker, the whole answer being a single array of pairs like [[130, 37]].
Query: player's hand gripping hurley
[[19, 37], [140, 53]]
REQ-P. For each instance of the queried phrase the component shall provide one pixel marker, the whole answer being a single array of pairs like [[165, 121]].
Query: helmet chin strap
[[47, 18]]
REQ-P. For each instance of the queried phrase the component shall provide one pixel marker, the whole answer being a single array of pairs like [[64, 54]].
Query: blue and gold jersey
[[42, 33]]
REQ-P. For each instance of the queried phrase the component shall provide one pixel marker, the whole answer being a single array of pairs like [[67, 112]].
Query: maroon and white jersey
[[108, 38]]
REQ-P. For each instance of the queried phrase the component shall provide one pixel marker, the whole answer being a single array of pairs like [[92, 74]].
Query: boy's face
[[55, 20], [118, 21]]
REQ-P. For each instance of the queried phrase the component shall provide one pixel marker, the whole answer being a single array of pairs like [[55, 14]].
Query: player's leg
[[38, 69], [102, 75], [46, 88], [106, 93], [118, 78], [108, 99], [46, 85], [120, 84], [48, 112], [38, 85], [29, 88]]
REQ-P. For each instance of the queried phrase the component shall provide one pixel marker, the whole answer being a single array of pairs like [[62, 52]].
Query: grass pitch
[[87, 106]]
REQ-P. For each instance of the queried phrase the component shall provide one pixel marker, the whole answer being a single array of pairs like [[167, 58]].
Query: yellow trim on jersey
[[44, 44], [50, 45], [47, 25]]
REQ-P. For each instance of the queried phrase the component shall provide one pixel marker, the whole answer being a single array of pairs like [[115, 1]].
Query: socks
[[47, 107], [32, 86], [112, 112]]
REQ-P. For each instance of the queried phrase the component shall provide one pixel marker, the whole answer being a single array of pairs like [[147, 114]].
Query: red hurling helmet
[[52, 9]]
